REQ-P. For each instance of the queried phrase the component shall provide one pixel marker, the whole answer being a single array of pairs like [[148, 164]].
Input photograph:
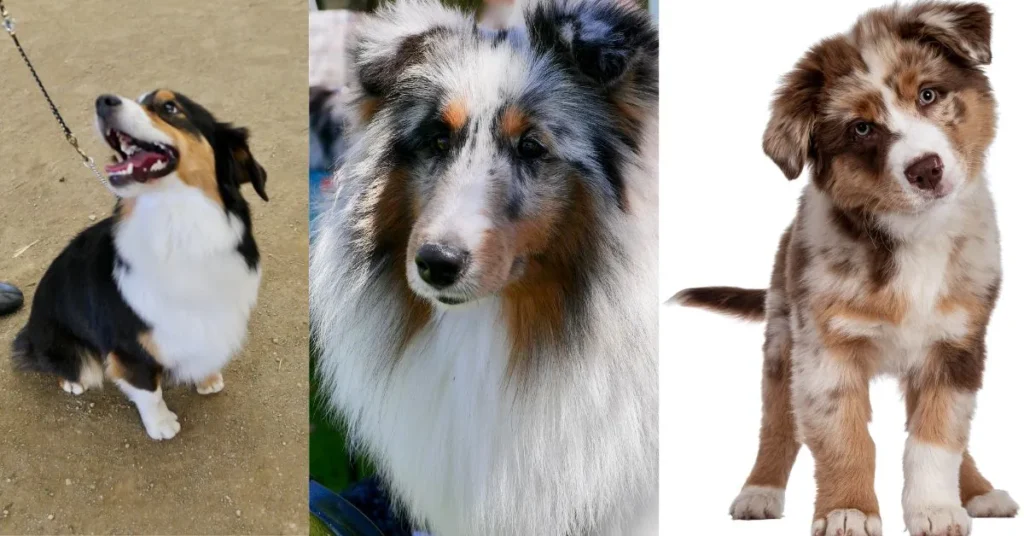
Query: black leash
[[8, 23]]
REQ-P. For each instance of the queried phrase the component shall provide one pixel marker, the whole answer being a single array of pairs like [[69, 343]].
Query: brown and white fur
[[891, 267]]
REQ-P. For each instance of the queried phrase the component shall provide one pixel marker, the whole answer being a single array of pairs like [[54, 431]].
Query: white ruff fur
[[185, 277], [471, 451]]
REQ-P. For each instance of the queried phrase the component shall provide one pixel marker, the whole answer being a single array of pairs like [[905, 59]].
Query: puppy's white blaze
[[133, 120], [917, 138], [931, 476]]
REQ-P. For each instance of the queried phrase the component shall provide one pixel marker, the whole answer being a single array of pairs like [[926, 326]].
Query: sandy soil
[[85, 465]]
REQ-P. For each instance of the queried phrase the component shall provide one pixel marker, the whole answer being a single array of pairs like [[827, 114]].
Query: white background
[[723, 207]]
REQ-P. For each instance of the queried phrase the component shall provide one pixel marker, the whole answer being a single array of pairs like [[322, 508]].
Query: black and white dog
[[163, 288]]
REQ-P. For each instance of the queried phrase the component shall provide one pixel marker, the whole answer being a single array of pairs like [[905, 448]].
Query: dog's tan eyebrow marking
[[455, 114], [162, 96], [513, 121]]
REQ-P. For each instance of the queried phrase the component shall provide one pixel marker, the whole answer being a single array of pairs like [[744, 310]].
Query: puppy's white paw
[[758, 502], [847, 523], [162, 425], [996, 503], [74, 388], [938, 521], [212, 384]]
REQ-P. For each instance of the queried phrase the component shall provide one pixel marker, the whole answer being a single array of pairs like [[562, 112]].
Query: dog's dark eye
[[530, 148], [442, 143], [862, 128], [170, 107], [927, 96]]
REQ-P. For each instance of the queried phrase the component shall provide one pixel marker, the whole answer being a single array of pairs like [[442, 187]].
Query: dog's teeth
[[128, 171]]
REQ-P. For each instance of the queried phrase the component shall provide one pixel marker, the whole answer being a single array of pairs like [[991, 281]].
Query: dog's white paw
[[163, 424], [74, 388], [758, 502], [212, 384], [996, 503], [847, 523], [938, 521]]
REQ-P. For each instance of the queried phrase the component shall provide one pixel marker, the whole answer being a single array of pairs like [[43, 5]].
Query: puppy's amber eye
[[862, 128], [927, 96], [170, 107]]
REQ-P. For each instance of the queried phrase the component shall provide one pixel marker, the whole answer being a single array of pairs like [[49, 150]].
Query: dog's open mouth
[[138, 161]]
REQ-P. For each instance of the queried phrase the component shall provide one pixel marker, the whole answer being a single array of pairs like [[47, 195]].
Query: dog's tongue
[[139, 164]]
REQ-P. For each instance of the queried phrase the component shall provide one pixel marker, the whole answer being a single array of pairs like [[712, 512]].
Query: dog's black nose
[[925, 172], [439, 265], [105, 104]]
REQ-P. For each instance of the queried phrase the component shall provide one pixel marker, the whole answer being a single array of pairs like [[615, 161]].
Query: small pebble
[[67, 481], [50, 517], [92, 217], [238, 513]]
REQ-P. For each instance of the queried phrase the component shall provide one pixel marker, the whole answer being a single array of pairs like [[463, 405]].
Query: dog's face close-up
[[164, 140], [504, 143], [893, 117]]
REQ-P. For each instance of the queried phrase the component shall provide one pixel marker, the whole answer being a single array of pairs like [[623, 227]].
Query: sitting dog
[[163, 288], [891, 266]]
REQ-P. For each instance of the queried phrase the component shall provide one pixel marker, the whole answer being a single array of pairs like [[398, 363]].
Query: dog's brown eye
[[170, 107], [530, 148], [927, 96], [862, 128]]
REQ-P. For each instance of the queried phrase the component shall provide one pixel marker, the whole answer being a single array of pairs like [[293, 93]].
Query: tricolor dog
[[891, 267], [483, 283], [161, 291]]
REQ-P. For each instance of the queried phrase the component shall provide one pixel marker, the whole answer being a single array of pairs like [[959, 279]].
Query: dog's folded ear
[[610, 42], [235, 161], [787, 138], [387, 43], [962, 30]]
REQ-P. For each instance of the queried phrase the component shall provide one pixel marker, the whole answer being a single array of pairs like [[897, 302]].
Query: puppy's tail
[[22, 352], [748, 304]]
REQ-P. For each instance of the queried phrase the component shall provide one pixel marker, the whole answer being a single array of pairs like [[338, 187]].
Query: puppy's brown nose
[[925, 172]]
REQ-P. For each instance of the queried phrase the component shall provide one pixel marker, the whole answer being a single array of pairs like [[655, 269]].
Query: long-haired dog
[[163, 288], [483, 285], [891, 266]]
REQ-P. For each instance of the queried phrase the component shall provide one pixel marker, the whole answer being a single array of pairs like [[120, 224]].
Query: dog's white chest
[[182, 273], [471, 450]]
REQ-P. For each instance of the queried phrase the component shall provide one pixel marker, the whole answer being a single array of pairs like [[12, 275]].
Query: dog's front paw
[[847, 523], [938, 521], [74, 388], [162, 425], [758, 502], [996, 503], [213, 383]]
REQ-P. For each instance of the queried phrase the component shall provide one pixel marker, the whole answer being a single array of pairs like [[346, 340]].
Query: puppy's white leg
[[932, 462], [160, 422]]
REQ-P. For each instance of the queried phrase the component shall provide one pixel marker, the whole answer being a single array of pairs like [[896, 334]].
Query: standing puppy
[[890, 267], [164, 287]]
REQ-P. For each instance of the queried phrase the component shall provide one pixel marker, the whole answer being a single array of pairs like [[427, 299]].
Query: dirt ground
[[73, 465]]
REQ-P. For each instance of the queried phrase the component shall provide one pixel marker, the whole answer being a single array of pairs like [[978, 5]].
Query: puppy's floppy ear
[[788, 139], [960, 29], [235, 160], [390, 41], [610, 42]]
